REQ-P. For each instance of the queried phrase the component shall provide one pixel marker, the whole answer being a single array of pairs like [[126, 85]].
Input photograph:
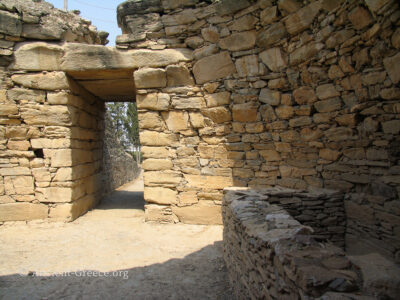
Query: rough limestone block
[[38, 56], [178, 76], [43, 81], [176, 120], [152, 138], [239, 41], [213, 67], [160, 195], [153, 101], [274, 58], [10, 23], [153, 164], [150, 78], [392, 66], [206, 212]]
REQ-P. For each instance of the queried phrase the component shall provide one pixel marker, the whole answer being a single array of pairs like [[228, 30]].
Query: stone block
[[218, 114], [275, 59], [178, 76], [210, 34], [328, 105], [239, 41], [8, 109], [392, 66], [270, 155], [360, 17], [326, 91], [10, 23], [153, 101], [247, 66], [155, 152], [71, 211], [150, 78], [270, 97], [246, 22], [206, 212], [246, 112], [189, 103], [151, 120], [165, 178], [227, 7], [153, 164], [152, 138], [302, 18], [176, 120], [269, 15], [22, 211], [304, 95], [305, 52], [197, 120], [159, 213], [43, 81], [391, 127], [38, 56], [159, 195], [208, 182], [271, 35], [213, 67]]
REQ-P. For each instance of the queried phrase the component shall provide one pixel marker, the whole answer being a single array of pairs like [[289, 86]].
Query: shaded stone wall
[[296, 94], [119, 167], [50, 128], [270, 255]]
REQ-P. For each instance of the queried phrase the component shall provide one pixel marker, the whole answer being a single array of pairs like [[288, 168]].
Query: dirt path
[[143, 260]]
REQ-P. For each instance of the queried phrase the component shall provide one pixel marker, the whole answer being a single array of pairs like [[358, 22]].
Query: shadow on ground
[[199, 275], [123, 200]]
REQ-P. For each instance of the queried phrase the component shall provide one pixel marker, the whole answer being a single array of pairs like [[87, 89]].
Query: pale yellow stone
[[41, 174], [153, 138], [18, 145], [167, 178], [208, 182], [153, 164], [176, 120], [155, 152], [205, 212], [197, 120], [43, 81], [160, 195], [188, 198], [50, 143], [71, 211]]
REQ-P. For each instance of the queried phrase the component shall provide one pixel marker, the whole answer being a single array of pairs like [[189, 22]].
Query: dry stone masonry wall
[[292, 93], [50, 128], [270, 255]]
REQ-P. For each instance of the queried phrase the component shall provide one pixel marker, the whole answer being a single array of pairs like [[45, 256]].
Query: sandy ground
[[129, 259]]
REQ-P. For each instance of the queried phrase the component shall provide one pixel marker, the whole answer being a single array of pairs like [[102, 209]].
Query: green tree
[[131, 124], [117, 111]]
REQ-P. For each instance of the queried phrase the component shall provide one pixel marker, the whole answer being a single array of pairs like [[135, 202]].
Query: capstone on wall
[[292, 93]]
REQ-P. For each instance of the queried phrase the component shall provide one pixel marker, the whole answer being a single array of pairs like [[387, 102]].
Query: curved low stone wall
[[270, 255]]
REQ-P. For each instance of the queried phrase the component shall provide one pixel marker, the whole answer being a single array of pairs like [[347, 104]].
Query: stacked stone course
[[50, 128]]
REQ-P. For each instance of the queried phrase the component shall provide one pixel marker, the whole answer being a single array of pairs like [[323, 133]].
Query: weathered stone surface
[[157, 164], [176, 120], [246, 22], [213, 67], [22, 211], [210, 34], [151, 120], [153, 101], [218, 114], [304, 95], [326, 91], [391, 127], [202, 213], [329, 105], [48, 81], [150, 78], [79, 57], [50, 115], [168, 178], [270, 97], [246, 112], [153, 138], [197, 120], [392, 66], [218, 99], [270, 155], [305, 52], [271, 35], [159, 195], [155, 152], [10, 23], [269, 15], [226, 7], [239, 41], [178, 76], [247, 66], [189, 103], [360, 17], [38, 56], [302, 19], [208, 182], [274, 58]]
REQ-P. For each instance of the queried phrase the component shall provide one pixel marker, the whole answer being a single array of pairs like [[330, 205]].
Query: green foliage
[[125, 123]]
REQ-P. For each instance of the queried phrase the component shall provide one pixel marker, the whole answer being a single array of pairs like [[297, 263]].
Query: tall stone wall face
[[119, 167], [278, 93], [50, 128]]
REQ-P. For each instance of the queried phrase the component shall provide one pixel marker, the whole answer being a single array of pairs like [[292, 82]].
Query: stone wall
[[50, 127], [292, 93], [119, 167], [269, 255]]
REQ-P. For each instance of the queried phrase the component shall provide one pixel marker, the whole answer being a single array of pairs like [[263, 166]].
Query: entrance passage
[[133, 259]]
